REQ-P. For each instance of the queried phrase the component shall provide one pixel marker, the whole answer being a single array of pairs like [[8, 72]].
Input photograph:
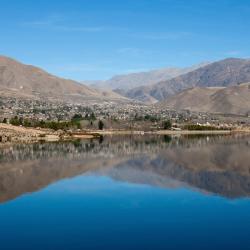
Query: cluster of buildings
[[126, 114]]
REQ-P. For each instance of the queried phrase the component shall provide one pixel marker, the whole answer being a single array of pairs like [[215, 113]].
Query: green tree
[[78, 125], [77, 117], [92, 116], [27, 123], [15, 121], [167, 124], [100, 125], [20, 121]]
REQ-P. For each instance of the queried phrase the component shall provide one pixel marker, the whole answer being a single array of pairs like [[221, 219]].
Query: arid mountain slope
[[17, 79], [230, 100], [228, 72]]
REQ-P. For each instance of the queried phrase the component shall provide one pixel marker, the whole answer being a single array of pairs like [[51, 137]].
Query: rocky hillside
[[20, 80], [225, 100], [228, 72]]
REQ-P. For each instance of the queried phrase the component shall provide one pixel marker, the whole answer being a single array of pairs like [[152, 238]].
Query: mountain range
[[218, 87], [20, 80], [121, 83], [228, 72]]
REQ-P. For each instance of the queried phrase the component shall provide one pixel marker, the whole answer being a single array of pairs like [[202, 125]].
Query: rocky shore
[[10, 133]]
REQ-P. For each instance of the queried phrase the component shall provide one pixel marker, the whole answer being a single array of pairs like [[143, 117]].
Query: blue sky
[[95, 39]]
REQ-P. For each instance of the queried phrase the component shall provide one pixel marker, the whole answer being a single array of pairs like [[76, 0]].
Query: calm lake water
[[141, 192]]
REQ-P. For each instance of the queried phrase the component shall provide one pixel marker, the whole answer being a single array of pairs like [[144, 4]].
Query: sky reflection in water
[[139, 195]]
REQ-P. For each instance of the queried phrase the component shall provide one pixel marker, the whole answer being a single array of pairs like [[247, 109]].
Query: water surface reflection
[[212, 164]]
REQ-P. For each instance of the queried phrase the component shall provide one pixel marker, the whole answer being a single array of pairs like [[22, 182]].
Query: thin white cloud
[[45, 22], [57, 23], [233, 53], [82, 67], [134, 52], [134, 70], [130, 51], [162, 35], [80, 29]]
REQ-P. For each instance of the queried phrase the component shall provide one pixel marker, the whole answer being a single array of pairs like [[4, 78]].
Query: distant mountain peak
[[125, 82]]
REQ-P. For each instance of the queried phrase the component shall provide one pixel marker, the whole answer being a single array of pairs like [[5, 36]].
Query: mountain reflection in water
[[213, 164]]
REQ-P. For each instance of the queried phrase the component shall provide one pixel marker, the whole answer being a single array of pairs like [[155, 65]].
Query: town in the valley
[[93, 116]]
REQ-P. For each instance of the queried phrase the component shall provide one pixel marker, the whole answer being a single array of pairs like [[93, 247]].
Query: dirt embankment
[[10, 133]]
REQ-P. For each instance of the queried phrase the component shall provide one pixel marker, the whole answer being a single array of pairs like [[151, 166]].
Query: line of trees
[[79, 117], [55, 125], [201, 127], [74, 123]]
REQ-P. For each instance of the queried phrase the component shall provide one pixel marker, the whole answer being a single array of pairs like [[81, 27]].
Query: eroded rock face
[[215, 164]]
